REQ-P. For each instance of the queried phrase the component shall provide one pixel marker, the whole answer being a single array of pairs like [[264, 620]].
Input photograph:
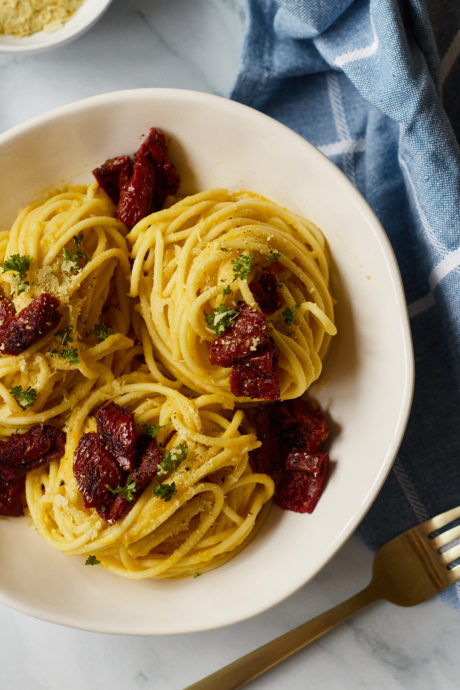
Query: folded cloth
[[361, 80]]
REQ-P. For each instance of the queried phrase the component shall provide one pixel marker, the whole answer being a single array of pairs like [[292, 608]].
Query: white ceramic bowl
[[83, 19], [366, 387]]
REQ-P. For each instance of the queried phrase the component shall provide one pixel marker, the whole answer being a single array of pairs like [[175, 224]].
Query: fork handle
[[248, 667]]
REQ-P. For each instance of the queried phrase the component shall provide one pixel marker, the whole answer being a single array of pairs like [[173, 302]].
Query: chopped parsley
[[196, 575], [102, 331], [172, 459], [227, 290], [65, 335], [126, 491], [26, 398], [92, 560], [274, 256], [69, 353], [19, 264], [242, 266], [77, 241], [165, 491], [289, 314], [153, 429], [221, 318], [73, 257]]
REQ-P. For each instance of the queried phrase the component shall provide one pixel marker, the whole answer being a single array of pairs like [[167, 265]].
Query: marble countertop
[[196, 45]]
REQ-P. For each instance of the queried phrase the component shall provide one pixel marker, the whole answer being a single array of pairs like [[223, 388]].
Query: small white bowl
[[83, 19], [366, 386]]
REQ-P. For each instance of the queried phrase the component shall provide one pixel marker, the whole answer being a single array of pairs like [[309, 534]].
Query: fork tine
[[446, 537], [440, 521], [450, 555], [451, 575]]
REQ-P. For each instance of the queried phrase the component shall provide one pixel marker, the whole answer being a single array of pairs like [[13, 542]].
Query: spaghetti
[[195, 270], [201, 257], [75, 250], [216, 499]]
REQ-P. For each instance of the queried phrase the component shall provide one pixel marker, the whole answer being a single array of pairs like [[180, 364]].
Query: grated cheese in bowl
[[25, 17]]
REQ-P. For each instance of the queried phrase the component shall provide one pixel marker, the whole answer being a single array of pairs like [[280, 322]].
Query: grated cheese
[[26, 17]]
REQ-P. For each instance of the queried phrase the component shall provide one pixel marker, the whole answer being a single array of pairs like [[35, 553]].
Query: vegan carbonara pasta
[[128, 356]]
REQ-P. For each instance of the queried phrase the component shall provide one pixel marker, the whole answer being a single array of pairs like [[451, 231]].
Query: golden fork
[[409, 569]]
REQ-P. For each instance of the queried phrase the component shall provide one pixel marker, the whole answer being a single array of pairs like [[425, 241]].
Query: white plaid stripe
[[340, 121]]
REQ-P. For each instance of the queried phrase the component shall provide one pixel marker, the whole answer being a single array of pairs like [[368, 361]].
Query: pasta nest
[[78, 253], [208, 519], [184, 268]]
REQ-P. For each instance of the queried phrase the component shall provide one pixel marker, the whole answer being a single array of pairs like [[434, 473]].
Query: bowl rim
[[407, 356], [71, 30]]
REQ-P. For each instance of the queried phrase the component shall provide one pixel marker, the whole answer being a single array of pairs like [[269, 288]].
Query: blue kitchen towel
[[374, 84]]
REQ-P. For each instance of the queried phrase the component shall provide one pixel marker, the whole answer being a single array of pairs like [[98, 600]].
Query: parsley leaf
[[70, 354], [65, 335], [92, 560], [274, 256], [196, 575], [22, 285], [172, 459], [77, 241], [19, 264], [126, 491], [24, 398], [165, 491], [227, 290], [242, 265], [153, 429], [102, 331], [221, 318], [73, 257], [289, 314]]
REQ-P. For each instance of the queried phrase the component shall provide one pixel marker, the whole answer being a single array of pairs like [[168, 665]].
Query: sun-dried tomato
[[136, 196], [117, 510], [265, 289], [142, 475], [7, 313], [302, 425], [302, 459], [247, 334], [254, 376], [141, 187], [20, 454], [264, 459], [167, 179], [117, 427], [148, 466], [30, 325], [95, 470], [291, 433], [300, 490], [113, 175], [11, 494], [24, 452]]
